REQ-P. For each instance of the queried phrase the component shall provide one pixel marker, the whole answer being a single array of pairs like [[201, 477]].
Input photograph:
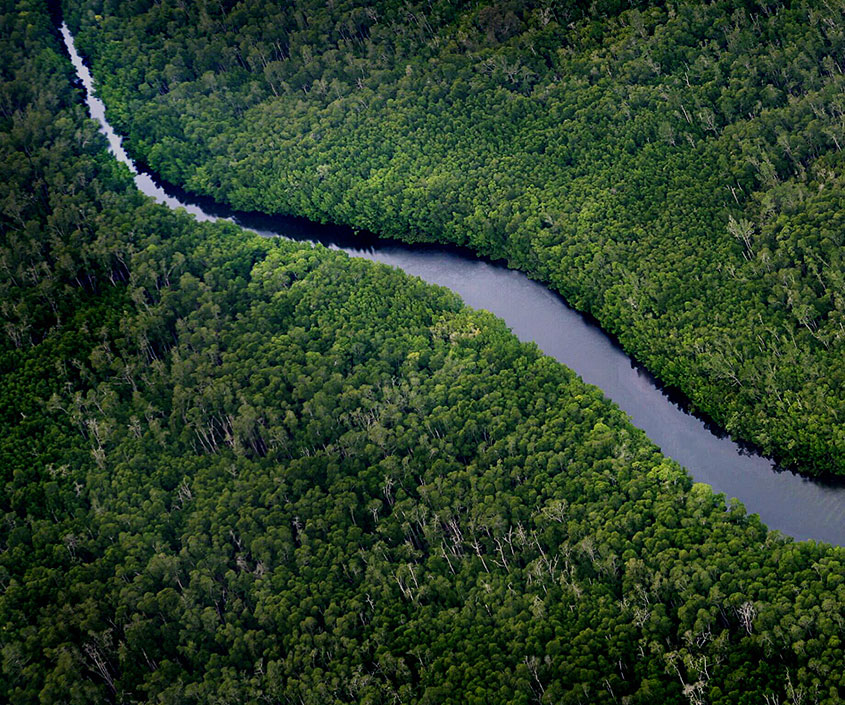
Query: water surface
[[798, 506]]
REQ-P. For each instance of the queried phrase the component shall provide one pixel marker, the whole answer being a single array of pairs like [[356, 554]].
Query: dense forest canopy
[[674, 168], [240, 470]]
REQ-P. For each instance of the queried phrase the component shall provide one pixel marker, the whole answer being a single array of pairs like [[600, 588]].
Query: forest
[[242, 470], [672, 168]]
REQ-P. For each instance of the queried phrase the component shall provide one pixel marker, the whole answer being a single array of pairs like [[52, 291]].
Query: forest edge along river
[[801, 507]]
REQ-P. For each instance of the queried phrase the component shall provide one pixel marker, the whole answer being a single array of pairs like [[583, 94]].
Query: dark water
[[795, 505]]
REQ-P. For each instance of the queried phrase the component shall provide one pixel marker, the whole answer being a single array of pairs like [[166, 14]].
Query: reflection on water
[[795, 505]]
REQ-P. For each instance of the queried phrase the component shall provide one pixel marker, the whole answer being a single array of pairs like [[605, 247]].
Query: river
[[801, 507]]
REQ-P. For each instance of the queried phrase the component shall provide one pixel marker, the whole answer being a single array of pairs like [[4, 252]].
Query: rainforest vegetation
[[673, 168], [237, 470]]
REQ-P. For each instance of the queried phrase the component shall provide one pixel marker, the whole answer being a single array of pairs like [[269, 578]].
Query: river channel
[[798, 506]]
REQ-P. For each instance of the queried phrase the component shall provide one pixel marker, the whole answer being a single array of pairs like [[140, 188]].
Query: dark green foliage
[[239, 470], [673, 168]]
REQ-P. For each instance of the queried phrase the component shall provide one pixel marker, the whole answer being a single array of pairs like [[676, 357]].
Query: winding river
[[797, 506]]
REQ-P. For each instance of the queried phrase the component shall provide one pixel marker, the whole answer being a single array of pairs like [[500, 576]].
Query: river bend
[[798, 506]]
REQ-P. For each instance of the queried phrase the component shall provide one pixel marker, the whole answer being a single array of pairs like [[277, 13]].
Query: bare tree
[[746, 613]]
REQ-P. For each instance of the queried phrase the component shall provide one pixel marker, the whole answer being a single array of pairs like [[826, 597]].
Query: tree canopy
[[248, 470]]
